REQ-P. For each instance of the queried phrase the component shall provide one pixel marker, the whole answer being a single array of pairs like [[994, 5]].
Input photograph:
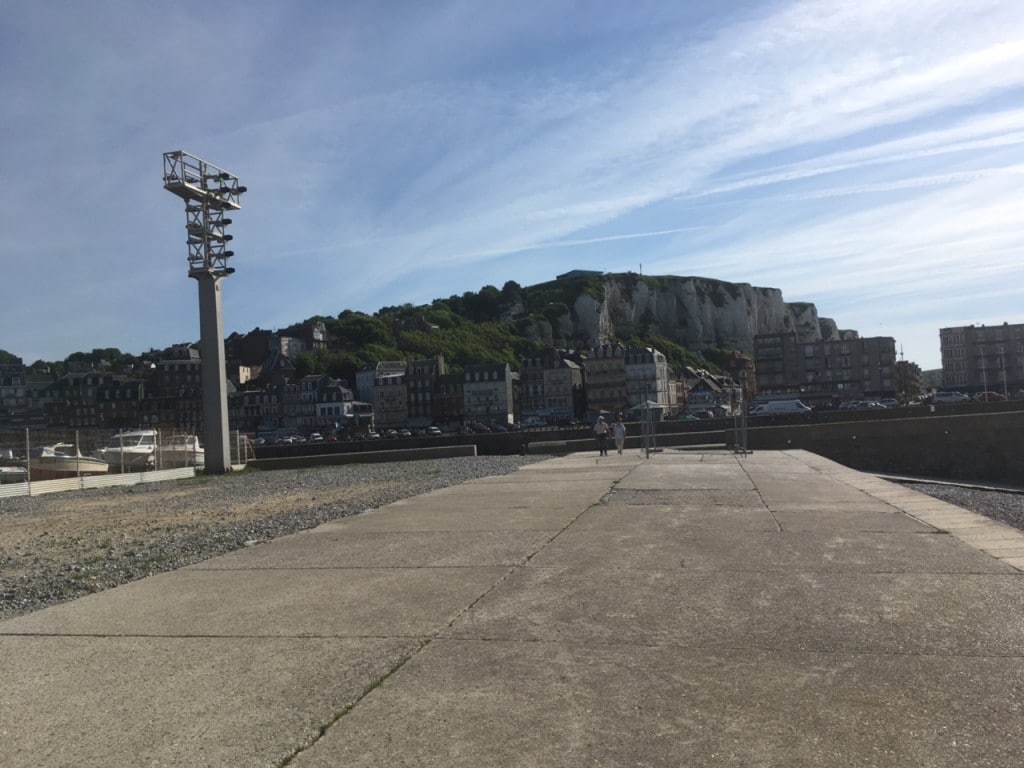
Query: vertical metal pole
[[215, 393], [28, 461]]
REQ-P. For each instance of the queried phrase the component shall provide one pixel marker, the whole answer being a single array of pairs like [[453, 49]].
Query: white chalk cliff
[[696, 312]]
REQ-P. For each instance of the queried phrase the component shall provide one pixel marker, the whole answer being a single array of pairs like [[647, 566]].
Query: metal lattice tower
[[209, 192]]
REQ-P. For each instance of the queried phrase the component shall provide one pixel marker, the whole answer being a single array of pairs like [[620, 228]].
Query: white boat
[[12, 474], [131, 451], [53, 462], [181, 451]]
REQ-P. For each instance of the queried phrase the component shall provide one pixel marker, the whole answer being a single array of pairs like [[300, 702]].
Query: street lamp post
[[209, 193]]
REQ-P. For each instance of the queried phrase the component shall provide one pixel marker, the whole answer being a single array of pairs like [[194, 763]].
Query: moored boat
[[131, 451], [53, 462], [12, 474], [181, 451]]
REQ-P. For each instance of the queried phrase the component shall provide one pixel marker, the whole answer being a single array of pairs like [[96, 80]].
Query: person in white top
[[601, 430], [619, 433]]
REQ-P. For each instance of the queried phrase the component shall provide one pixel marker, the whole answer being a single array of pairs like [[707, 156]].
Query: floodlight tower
[[209, 192]]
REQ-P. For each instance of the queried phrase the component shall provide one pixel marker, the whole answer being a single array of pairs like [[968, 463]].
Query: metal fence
[[75, 458]]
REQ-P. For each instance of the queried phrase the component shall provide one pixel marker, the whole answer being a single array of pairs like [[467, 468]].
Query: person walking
[[619, 433], [601, 430]]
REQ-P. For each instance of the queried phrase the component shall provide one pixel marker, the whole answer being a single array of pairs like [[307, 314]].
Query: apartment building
[[449, 400], [391, 400], [825, 372], [423, 378], [550, 387], [366, 379], [983, 358], [487, 393], [605, 374], [646, 377], [95, 399]]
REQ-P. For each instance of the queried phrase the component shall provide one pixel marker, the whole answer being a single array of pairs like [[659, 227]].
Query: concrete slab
[[848, 517], [846, 612], [694, 608], [660, 540], [490, 704], [477, 513], [174, 702], [314, 602], [337, 547], [684, 516], [695, 498], [686, 472]]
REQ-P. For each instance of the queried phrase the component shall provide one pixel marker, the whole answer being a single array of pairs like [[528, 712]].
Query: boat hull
[[175, 459], [131, 461], [60, 467], [181, 451], [13, 475]]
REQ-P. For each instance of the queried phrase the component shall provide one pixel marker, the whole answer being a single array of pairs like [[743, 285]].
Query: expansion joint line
[[427, 641], [778, 525], [353, 704]]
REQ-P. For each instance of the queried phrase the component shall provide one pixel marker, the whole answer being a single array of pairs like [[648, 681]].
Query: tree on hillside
[[359, 330], [511, 292], [484, 306]]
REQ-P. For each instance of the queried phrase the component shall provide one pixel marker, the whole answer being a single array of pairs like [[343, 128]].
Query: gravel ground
[[1004, 506], [61, 546]]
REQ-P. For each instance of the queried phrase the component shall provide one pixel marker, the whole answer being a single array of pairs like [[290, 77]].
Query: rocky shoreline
[[58, 547]]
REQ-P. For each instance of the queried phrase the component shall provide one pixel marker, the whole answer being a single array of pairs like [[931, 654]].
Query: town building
[[391, 399], [366, 379], [423, 378], [706, 392], [95, 399], [647, 376], [449, 401], [550, 388], [825, 373], [983, 358], [487, 393], [605, 379]]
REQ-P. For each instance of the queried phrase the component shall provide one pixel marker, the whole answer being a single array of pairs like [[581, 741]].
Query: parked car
[[890, 402], [780, 406], [404, 433], [989, 397], [949, 398], [433, 431], [316, 437]]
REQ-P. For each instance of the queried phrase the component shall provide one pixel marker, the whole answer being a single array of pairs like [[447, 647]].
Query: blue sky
[[867, 156]]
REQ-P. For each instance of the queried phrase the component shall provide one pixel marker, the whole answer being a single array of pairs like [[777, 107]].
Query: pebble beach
[[57, 547]]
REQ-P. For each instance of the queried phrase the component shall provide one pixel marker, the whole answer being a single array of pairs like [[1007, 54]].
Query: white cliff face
[[695, 312]]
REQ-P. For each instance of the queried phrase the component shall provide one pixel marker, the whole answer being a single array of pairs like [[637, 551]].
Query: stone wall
[[983, 448]]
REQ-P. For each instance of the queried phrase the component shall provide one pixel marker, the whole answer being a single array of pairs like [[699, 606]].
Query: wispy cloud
[[833, 149]]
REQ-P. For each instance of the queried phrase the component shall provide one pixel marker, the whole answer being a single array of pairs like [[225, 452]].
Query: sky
[[863, 155]]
